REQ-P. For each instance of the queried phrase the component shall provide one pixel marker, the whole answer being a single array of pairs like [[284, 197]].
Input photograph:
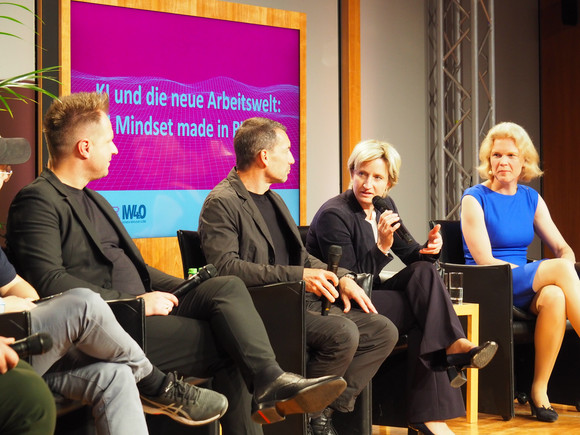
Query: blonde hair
[[372, 149], [66, 114], [528, 153]]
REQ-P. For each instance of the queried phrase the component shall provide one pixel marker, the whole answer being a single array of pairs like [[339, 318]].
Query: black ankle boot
[[322, 425]]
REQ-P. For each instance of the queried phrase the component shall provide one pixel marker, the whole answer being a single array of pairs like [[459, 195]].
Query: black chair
[[510, 373], [281, 307]]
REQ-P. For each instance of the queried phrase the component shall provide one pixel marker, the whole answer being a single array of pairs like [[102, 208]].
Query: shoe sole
[[484, 356], [153, 408], [309, 400]]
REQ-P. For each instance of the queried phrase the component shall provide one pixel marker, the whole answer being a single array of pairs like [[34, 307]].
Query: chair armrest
[[130, 314], [281, 307], [365, 281], [15, 325]]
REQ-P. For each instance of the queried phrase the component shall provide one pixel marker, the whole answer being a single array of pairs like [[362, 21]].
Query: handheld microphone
[[206, 272], [381, 205], [334, 254], [36, 344]]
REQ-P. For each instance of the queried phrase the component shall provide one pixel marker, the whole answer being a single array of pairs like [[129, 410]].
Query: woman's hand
[[434, 243], [388, 224]]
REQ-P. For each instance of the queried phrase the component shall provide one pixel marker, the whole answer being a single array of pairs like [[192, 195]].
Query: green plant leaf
[[25, 81]]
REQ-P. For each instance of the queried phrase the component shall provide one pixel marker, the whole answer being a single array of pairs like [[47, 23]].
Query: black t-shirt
[[7, 271], [125, 275], [276, 225]]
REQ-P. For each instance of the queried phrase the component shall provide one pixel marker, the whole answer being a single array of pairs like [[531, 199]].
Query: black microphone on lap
[[381, 205], [206, 272], [334, 254], [36, 344]]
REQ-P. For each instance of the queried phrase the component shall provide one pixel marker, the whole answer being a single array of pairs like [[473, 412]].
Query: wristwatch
[[350, 275], [2, 306]]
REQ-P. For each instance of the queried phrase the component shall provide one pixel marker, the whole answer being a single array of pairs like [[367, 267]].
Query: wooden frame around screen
[[207, 9]]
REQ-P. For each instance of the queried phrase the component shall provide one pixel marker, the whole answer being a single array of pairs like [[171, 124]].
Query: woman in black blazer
[[415, 298]]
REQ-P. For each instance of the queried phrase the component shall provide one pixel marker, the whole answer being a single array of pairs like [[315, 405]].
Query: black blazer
[[341, 221], [54, 246]]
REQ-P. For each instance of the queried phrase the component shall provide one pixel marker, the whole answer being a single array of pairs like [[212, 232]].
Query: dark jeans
[[215, 332], [352, 345]]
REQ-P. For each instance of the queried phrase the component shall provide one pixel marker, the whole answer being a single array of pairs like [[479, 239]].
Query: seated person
[[247, 230], [26, 403], [415, 298], [91, 348], [63, 235], [499, 218]]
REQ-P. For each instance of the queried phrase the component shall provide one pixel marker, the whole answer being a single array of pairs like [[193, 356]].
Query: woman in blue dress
[[499, 218]]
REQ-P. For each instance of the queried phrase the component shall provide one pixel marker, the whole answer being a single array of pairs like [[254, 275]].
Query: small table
[[472, 313]]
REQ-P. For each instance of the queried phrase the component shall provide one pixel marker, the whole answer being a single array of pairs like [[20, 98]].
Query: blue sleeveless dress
[[510, 225]]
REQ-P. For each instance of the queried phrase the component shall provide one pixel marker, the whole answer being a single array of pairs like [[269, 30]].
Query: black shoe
[[322, 425], [420, 428], [293, 394], [476, 358], [186, 403], [548, 415]]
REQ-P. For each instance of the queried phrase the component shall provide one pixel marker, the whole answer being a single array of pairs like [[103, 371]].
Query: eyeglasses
[[6, 175]]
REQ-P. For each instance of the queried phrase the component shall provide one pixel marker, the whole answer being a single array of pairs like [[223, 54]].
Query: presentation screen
[[179, 86]]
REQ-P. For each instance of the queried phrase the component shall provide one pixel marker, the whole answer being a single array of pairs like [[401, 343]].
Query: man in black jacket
[[63, 235], [247, 230]]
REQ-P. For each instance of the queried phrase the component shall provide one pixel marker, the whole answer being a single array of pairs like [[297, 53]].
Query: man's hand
[[321, 282], [349, 289], [159, 303], [435, 242], [15, 304], [8, 357]]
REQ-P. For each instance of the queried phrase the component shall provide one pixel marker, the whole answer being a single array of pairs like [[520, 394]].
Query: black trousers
[[352, 345], [416, 300], [215, 332]]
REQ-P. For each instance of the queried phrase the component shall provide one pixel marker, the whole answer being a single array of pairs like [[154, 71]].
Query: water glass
[[454, 283]]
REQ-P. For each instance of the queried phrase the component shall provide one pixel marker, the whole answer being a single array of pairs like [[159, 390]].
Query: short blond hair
[[525, 146], [66, 114], [372, 149]]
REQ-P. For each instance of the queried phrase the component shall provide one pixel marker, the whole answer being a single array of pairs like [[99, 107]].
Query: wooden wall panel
[[560, 119], [350, 83], [162, 253]]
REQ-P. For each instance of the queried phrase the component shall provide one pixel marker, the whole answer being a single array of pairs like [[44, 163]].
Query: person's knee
[[552, 298], [343, 334], [424, 271], [386, 331], [83, 296]]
